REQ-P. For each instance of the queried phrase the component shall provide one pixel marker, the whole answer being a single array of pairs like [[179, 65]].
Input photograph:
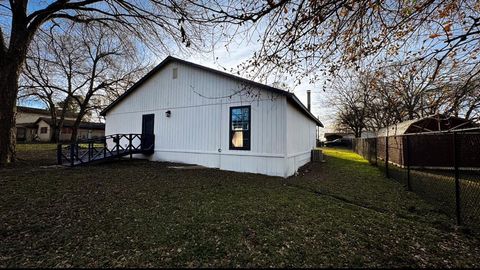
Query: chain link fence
[[442, 167]]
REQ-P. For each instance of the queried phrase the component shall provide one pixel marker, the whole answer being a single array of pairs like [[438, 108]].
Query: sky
[[223, 57], [241, 49], [239, 52]]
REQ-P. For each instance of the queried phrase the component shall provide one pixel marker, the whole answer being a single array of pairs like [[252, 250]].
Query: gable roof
[[290, 96], [70, 123], [23, 109]]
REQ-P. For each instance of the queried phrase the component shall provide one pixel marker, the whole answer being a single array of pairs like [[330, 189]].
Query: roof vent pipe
[[309, 104]]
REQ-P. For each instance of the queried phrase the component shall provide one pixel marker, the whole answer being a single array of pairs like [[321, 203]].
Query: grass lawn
[[137, 213]]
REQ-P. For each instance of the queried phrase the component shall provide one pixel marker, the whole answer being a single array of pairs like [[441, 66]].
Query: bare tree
[[49, 77], [464, 96], [161, 25], [79, 70], [376, 99], [301, 38], [320, 39], [108, 68], [351, 98], [313, 39]]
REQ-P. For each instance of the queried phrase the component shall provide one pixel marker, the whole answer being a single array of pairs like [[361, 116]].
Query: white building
[[206, 117]]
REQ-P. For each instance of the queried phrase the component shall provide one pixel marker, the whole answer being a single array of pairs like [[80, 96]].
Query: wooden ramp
[[104, 148]]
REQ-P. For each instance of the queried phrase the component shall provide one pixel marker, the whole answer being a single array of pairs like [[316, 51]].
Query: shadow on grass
[[136, 213], [347, 177]]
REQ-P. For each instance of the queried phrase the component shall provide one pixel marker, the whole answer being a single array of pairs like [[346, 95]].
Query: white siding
[[198, 130], [301, 133], [44, 137]]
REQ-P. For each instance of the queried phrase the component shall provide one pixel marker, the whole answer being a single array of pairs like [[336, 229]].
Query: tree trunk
[[74, 132], [82, 112], [9, 74], [11, 61], [55, 125], [77, 124], [56, 134]]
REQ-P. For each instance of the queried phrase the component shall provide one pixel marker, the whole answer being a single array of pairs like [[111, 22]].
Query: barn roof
[[437, 122], [290, 96]]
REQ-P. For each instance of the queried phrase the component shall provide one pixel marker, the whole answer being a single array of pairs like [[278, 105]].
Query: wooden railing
[[102, 148]]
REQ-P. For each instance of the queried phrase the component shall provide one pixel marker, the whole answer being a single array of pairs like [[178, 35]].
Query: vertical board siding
[[301, 133], [200, 103]]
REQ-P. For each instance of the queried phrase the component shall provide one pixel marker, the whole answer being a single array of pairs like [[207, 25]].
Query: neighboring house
[[207, 117], [35, 124], [86, 130]]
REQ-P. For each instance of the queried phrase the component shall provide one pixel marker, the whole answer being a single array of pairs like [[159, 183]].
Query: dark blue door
[[148, 138]]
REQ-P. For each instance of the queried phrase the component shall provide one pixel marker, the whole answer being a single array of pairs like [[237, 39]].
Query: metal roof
[[437, 122], [290, 96]]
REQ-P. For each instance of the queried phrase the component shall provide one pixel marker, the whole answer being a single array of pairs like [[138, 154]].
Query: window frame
[[42, 129], [249, 132], [21, 131]]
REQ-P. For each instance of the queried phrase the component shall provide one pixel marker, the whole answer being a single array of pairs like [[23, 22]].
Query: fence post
[[130, 144], [386, 157], [59, 154], [456, 156], [72, 154], [104, 147], [407, 141], [89, 152]]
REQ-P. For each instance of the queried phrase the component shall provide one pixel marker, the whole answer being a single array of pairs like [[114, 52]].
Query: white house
[[207, 117]]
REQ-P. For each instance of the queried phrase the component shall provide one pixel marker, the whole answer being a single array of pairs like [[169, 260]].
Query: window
[[21, 133], [240, 128], [66, 130], [175, 73], [43, 130]]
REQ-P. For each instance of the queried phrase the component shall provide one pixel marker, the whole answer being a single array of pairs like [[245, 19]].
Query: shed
[[430, 142], [437, 122], [203, 116]]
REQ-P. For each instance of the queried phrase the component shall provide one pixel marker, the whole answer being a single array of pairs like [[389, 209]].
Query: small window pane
[[21, 133], [175, 73], [240, 118], [237, 139]]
